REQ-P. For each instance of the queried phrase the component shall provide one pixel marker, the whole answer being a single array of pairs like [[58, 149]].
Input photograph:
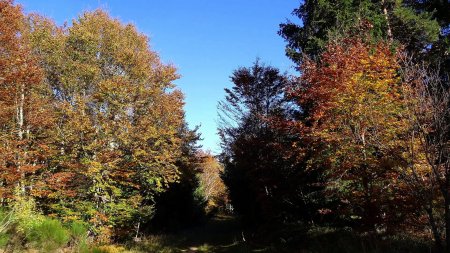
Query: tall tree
[[439, 54], [427, 156], [262, 175], [355, 109], [211, 184], [25, 115], [323, 21], [117, 132]]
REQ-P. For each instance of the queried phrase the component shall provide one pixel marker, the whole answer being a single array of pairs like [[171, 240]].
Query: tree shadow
[[221, 234]]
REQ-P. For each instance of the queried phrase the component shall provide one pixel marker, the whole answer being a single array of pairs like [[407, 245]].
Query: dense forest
[[350, 154]]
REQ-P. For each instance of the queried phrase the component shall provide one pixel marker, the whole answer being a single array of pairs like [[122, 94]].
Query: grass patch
[[48, 235]]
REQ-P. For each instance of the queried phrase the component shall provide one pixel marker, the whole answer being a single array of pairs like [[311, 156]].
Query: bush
[[6, 220], [48, 235], [79, 233], [24, 213], [23, 223], [4, 238], [78, 230]]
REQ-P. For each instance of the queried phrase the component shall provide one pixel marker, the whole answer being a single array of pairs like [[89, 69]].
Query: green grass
[[48, 235]]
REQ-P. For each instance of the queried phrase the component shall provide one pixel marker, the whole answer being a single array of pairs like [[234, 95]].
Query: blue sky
[[205, 39]]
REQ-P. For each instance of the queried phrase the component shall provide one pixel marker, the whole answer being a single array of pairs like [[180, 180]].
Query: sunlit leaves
[[90, 121], [25, 117], [120, 124], [354, 107]]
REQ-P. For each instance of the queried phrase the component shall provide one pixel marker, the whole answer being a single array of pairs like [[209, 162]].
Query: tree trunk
[[137, 229], [447, 224], [20, 116], [20, 132], [434, 230], [388, 24], [445, 193]]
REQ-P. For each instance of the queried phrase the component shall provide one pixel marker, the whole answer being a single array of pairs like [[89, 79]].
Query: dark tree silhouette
[[265, 177]]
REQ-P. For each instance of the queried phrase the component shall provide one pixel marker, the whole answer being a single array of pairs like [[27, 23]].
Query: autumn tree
[[25, 113], [212, 187], [118, 121], [418, 28], [427, 147], [352, 102]]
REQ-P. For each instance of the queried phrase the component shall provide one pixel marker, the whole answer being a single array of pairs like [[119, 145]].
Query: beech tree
[[25, 115], [353, 106], [122, 124], [118, 120], [211, 184]]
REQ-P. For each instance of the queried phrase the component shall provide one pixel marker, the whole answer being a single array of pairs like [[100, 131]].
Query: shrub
[[4, 238], [24, 213], [78, 231], [6, 220], [48, 235]]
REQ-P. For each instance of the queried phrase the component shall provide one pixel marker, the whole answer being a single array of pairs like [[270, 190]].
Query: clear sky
[[205, 39]]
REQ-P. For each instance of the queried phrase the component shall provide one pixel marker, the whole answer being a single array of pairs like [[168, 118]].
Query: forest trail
[[220, 234]]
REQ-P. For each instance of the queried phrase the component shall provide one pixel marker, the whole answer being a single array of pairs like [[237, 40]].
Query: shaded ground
[[221, 234]]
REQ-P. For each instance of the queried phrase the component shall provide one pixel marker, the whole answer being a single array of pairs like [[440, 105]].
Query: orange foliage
[[353, 106], [25, 114]]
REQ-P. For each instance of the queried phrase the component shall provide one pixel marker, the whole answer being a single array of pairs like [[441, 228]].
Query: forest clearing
[[348, 150]]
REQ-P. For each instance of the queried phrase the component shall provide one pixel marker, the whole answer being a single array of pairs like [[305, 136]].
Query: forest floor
[[223, 234], [220, 234]]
